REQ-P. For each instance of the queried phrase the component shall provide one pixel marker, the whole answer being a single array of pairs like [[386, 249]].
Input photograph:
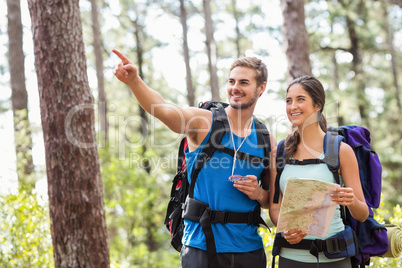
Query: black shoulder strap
[[280, 165], [208, 105], [220, 125], [181, 158], [264, 141]]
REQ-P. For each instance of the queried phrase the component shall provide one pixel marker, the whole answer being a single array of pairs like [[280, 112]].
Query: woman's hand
[[343, 196], [294, 236]]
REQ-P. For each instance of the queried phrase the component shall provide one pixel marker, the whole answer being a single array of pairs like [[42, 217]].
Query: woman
[[305, 100]]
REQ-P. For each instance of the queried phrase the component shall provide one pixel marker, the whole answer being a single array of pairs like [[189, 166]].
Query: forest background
[[183, 50]]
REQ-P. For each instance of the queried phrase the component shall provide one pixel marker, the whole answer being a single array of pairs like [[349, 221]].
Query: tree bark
[[19, 98], [211, 50], [394, 60], [77, 214], [237, 29], [335, 82], [358, 80], [98, 48], [394, 2], [186, 53], [295, 39], [139, 32], [143, 128]]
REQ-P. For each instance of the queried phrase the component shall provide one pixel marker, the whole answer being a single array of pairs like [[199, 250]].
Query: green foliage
[[24, 232], [333, 63], [135, 204], [23, 146], [391, 215], [268, 241]]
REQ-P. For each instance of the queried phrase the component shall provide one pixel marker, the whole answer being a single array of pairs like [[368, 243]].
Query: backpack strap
[[220, 125], [253, 159], [331, 245], [263, 141], [280, 165], [198, 211], [332, 143], [181, 160], [219, 128], [194, 210]]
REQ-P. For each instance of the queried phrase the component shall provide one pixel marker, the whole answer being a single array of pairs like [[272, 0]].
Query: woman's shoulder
[[346, 153]]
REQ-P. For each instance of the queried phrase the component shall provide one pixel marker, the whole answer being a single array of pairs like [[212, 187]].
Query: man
[[237, 243]]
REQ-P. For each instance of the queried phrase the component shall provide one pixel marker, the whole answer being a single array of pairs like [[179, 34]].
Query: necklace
[[234, 147]]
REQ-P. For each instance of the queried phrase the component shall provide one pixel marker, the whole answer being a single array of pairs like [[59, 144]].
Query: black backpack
[[182, 204]]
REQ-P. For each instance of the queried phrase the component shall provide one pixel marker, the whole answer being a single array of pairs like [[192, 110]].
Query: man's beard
[[243, 106]]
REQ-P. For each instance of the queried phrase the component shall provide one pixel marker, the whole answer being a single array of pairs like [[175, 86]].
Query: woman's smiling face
[[299, 105]]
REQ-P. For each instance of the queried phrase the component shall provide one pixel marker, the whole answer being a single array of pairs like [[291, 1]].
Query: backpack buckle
[[332, 245], [218, 216]]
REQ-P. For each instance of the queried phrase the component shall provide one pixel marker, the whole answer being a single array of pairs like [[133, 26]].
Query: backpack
[[370, 237], [182, 204]]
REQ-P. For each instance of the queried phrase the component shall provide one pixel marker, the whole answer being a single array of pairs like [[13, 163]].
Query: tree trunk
[[19, 98], [98, 48], [77, 214], [358, 80], [335, 83], [394, 2], [186, 53], [143, 129], [237, 29], [151, 240], [295, 39], [211, 50], [394, 64]]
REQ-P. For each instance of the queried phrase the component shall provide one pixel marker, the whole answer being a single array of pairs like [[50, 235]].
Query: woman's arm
[[352, 194]]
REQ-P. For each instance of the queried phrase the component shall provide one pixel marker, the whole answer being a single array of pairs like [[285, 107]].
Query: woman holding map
[[305, 100]]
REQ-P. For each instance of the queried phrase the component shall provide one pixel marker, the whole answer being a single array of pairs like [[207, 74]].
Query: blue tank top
[[319, 172], [213, 187]]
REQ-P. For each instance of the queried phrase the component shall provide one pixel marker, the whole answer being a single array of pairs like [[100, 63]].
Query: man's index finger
[[123, 58]]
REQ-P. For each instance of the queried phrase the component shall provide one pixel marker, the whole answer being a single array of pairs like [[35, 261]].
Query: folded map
[[307, 205]]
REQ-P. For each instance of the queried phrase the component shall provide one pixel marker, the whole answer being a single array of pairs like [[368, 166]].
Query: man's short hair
[[253, 63]]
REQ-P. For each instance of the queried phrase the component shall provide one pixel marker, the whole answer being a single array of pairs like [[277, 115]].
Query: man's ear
[[262, 88]]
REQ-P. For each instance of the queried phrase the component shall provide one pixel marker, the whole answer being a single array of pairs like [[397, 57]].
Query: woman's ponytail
[[291, 143]]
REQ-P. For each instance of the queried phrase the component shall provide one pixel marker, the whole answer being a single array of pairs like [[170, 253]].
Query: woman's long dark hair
[[316, 91]]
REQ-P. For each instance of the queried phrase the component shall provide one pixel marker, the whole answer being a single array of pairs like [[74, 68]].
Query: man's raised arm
[[178, 119]]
